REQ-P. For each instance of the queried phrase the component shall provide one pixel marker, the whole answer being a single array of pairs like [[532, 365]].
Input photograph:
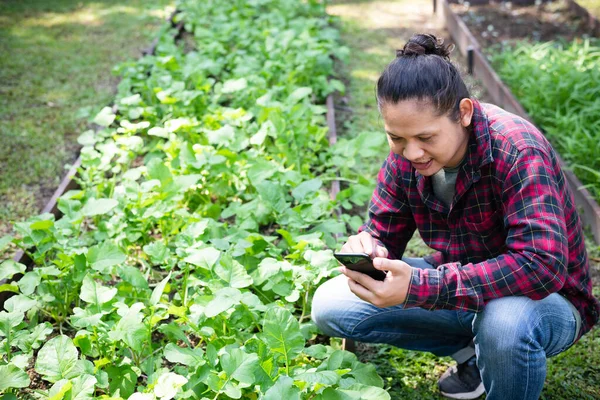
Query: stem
[[150, 355], [7, 345], [185, 282], [134, 358], [304, 305], [325, 179], [297, 151], [262, 294], [287, 365], [113, 183]]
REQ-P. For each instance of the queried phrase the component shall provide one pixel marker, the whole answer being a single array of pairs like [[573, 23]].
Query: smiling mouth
[[422, 165]]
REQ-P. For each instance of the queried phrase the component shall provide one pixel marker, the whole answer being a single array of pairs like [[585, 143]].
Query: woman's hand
[[389, 292], [364, 243]]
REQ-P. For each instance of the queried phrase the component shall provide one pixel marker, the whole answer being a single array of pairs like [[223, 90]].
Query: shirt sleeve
[[534, 264], [390, 218]]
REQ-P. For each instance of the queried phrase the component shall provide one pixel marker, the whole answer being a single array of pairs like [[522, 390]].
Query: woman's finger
[[366, 241], [360, 291]]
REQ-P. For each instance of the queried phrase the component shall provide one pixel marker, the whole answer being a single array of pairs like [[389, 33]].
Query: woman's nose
[[412, 152]]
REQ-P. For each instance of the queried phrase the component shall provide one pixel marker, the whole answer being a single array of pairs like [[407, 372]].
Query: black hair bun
[[422, 44]]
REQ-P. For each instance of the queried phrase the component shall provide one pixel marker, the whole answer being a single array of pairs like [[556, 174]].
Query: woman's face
[[430, 142]]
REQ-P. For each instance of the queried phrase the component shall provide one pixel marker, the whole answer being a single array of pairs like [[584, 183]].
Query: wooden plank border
[[502, 96]]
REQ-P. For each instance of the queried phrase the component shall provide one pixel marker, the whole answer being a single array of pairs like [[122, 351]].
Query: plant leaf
[[4, 241], [233, 273], [130, 328], [204, 258], [283, 389], [9, 320], [56, 358], [224, 300], [306, 188], [158, 290], [29, 282], [281, 332], [122, 378], [9, 268], [105, 117], [234, 85], [98, 206], [321, 377], [299, 94], [133, 276], [83, 387], [19, 303], [239, 365], [104, 256], [12, 377], [94, 293], [60, 389], [184, 355]]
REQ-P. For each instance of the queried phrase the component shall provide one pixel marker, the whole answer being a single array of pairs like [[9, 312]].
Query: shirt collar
[[480, 142]]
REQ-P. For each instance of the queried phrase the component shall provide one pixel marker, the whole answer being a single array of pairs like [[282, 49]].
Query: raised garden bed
[[188, 254], [500, 94], [507, 23]]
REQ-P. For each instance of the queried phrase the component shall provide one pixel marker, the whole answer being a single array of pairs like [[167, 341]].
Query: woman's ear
[[466, 109]]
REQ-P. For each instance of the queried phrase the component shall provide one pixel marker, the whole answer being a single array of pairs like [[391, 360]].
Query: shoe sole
[[466, 396]]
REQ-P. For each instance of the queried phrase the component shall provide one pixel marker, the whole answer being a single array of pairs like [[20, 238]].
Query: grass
[[55, 70], [409, 374], [557, 83]]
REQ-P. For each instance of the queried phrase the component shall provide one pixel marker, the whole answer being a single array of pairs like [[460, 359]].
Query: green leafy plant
[[557, 83], [184, 265]]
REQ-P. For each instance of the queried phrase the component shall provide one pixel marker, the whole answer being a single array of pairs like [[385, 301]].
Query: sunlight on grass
[[369, 74], [55, 58], [91, 15], [379, 51], [87, 17], [369, 15]]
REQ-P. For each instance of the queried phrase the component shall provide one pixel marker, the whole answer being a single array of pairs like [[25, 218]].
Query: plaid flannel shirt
[[512, 228]]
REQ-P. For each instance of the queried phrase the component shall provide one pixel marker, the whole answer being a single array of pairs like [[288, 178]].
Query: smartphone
[[360, 262]]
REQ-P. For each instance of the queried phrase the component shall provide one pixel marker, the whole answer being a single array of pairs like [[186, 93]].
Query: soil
[[503, 22], [37, 382]]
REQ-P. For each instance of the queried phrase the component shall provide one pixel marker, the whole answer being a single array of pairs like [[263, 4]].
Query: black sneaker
[[462, 381]]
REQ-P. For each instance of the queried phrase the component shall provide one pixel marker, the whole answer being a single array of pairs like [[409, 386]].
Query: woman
[[509, 284]]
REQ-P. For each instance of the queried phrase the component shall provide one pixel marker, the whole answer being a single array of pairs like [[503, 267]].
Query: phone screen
[[360, 262]]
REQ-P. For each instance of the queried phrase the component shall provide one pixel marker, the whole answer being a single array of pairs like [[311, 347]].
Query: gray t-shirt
[[444, 184]]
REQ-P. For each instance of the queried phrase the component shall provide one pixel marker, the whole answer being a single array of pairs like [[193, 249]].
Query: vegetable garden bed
[[547, 118], [183, 265]]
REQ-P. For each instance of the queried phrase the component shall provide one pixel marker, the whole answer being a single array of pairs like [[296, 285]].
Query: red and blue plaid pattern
[[512, 228]]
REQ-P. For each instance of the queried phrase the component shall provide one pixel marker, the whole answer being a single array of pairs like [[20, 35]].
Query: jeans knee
[[319, 310], [503, 327], [328, 307]]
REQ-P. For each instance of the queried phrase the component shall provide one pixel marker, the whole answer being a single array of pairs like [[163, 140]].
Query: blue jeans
[[513, 336]]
